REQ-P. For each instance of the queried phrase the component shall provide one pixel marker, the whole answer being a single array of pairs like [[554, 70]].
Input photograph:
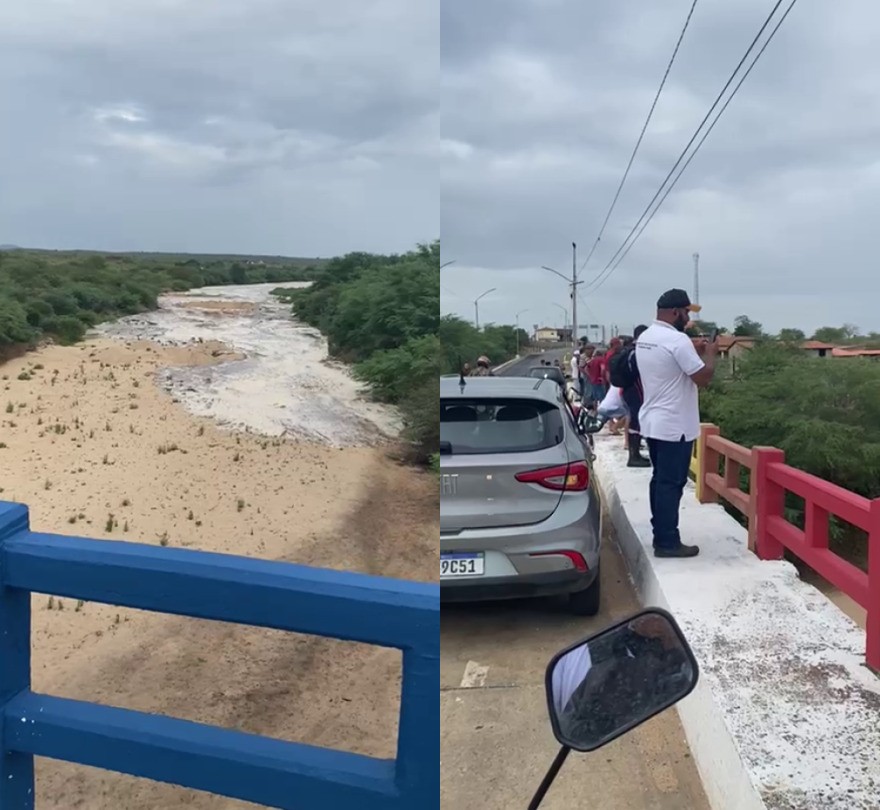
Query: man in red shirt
[[613, 347], [596, 375]]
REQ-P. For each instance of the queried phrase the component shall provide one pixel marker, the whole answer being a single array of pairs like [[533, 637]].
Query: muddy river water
[[285, 385]]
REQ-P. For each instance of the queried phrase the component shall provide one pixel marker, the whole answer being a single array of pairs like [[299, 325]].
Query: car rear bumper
[[480, 589]]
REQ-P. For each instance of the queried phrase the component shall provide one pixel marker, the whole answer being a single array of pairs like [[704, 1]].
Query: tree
[[238, 274], [14, 326], [825, 416], [791, 335], [836, 334], [743, 326], [707, 328]]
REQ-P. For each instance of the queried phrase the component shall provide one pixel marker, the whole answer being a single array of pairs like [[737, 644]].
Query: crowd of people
[[648, 383], [645, 386], [609, 389]]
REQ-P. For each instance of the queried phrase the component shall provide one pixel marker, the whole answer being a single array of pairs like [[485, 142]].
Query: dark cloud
[[276, 126], [542, 103]]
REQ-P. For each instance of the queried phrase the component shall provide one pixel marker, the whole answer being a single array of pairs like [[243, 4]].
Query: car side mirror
[[605, 686]]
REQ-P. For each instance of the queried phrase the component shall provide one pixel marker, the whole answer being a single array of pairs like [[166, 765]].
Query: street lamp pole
[[517, 329], [564, 316], [477, 307]]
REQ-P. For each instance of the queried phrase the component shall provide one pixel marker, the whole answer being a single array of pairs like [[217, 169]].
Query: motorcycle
[[608, 684]]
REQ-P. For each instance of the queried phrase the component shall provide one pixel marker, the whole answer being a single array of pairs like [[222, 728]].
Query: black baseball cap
[[676, 299]]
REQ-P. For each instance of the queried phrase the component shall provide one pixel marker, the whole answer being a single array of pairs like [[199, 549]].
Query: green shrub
[[392, 374], [824, 413], [63, 294], [421, 418]]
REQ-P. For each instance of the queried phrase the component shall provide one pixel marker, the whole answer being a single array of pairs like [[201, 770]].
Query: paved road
[[521, 366], [496, 742]]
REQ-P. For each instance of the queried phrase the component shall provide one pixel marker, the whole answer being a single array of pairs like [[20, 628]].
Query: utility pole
[[573, 284], [696, 278], [574, 289]]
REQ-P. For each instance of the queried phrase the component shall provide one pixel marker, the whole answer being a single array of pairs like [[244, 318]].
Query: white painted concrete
[[786, 715]]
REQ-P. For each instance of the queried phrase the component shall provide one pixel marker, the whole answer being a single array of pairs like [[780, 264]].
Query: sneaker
[[681, 550]]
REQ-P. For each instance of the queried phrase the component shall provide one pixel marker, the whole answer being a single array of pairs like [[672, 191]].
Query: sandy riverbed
[[106, 439]]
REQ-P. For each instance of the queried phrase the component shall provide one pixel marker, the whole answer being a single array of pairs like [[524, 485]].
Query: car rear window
[[470, 426], [548, 372]]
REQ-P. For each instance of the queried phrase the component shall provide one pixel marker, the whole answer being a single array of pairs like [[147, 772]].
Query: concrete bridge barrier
[[787, 714], [271, 772]]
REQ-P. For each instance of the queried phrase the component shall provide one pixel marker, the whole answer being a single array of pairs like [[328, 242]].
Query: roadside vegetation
[[44, 294], [824, 413], [381, 313], [743, 326], [462, 343]]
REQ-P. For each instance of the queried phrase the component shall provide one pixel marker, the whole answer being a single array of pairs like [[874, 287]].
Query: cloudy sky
[[266, 126], [542, 101]]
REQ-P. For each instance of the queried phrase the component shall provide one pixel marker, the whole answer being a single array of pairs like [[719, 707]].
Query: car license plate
[[461, 565]]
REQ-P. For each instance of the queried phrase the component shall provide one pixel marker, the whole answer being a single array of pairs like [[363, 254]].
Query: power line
[[632, 157], [697, 148], [599, 278]]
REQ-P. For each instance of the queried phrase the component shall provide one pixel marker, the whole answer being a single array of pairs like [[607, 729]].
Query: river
[[285, 385]]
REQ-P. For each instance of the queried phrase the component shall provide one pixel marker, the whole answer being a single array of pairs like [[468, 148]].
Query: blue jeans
[[670, 462], [598, 392]]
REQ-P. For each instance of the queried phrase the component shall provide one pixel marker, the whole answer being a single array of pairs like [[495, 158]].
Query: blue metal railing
[[276, 773]]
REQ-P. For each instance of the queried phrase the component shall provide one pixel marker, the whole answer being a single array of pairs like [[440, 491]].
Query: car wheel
[[586, 602]]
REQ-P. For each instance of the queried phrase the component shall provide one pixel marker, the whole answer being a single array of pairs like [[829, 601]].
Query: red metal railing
[[770, 533]]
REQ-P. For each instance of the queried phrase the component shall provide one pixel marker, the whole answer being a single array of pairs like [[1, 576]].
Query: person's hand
[[702, 346], [711, 349]]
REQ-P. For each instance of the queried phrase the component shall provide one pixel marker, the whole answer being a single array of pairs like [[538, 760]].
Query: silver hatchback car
[[519, 513]]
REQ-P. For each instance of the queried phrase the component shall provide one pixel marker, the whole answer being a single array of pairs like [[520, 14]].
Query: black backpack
[[623, 371]]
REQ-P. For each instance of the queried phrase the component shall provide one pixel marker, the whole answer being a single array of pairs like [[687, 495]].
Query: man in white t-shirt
[[671, 368], [574, 368]]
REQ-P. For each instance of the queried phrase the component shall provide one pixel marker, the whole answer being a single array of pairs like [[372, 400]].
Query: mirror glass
[[612, 682]]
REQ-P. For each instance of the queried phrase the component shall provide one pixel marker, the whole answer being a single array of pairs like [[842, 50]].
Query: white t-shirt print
[[666, 358]]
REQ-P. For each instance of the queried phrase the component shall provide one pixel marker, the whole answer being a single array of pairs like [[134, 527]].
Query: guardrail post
[[752, 515], [418, 734], [872, 641], [707, 461], [16, 769], [769, 501]]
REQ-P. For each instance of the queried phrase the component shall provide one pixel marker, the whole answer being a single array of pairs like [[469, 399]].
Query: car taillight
[[567, 477], [577, 559]]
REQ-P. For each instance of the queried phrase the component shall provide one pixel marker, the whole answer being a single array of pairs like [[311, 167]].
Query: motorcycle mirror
[[608, 684]]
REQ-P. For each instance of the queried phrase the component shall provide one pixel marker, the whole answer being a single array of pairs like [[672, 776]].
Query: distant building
[[818, 348], [547, 334], [855, 352], [736, 346]]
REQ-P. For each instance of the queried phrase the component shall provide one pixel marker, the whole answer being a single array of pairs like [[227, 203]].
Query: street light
[[446, 264], [564, 278], [477, 306], [517, 329], [564, 319]]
